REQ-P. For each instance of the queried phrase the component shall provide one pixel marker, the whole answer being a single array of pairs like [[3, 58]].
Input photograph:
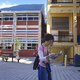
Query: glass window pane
[[36, 18], [30, 18], [6, 19], [0, 19], [24, 18], [19, 18], [11, 18], [29, 44]]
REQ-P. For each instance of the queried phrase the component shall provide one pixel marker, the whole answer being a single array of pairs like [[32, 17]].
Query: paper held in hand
[[54, 57]]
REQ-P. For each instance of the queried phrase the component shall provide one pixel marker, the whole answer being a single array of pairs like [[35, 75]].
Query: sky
[[9, 3]]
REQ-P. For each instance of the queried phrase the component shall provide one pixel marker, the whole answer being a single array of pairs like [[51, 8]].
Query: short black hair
[[48, 37]]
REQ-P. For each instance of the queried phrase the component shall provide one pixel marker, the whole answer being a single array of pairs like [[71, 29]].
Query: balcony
[[78, 1], [63, 41], [61, 1], [64, 1], [63, 38]]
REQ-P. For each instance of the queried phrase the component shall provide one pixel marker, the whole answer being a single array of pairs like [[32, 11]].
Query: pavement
[[24, 71], [18, 71]]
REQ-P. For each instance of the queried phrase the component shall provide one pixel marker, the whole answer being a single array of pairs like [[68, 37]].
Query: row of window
[[28, 46], [5, 46], [21, 19], [23, 47], [29, 18]]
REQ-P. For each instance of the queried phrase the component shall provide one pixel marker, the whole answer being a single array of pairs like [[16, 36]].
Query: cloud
[[6, 5]]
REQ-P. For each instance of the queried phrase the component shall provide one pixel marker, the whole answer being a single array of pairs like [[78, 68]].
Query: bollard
[[65, 60]]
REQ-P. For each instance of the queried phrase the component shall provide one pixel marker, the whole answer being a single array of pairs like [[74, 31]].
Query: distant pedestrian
[[44, 72]]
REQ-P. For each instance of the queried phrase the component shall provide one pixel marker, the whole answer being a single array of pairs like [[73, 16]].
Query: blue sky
[[9, 3]]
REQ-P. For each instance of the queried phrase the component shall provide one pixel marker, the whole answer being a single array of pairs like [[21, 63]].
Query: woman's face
[[49, 42]]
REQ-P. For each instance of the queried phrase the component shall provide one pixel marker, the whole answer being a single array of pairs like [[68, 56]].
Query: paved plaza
[[23, 70]]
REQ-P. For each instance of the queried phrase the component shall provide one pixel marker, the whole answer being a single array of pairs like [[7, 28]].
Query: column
[[39, 29], [48, 16], [74, 25], [74, 22]]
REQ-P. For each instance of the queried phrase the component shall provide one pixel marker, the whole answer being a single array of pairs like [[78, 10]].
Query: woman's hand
[[52, 54]]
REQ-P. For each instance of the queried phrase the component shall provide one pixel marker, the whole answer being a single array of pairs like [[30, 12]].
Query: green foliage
[[18, 45]]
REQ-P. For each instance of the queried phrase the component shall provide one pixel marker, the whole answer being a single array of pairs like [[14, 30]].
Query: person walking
[[44, 72]]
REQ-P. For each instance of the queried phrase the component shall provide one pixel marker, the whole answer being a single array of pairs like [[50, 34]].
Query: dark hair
[[48, 37]]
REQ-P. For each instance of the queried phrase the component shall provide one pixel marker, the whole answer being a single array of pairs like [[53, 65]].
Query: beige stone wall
[[66, 51], [57, 50], [78, 49], [69, 52]]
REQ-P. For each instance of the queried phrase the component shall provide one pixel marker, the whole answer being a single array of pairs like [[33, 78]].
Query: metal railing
[[63, 38], [63, 1]]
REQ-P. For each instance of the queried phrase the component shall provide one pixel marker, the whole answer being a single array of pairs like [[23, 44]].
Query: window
[[6, 43], [36, 18], [31, 46], [23, 46], [27, 43], [24, 18], [8, 46], [11, 19], [0, 19], [30, 18], [19, 18], [1, 45], [60, 23], [5, 46], [8, 19]]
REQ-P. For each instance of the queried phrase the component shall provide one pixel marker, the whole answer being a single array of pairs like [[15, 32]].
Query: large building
[[22, 22], [63, 18]]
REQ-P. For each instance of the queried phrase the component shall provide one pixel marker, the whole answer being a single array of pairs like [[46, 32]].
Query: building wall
[[7, 22], [78, 49], [27, 30], [28, 22], [57, 50], [64, 10], [78, 25], [63, 15]]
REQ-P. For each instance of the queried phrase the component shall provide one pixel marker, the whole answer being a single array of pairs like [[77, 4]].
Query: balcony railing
[[78, 1], [63, 1], [63, 38]]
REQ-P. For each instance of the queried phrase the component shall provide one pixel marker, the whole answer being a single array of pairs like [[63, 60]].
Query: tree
[[17, 48]]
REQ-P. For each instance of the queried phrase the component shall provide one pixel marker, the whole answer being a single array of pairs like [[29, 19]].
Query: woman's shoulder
[[40, 47]]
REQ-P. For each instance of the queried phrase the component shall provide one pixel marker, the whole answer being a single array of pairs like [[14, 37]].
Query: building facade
[[22, 22], [63, 18]]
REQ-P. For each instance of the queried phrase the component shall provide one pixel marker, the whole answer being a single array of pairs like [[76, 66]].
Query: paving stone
[[24, 71]]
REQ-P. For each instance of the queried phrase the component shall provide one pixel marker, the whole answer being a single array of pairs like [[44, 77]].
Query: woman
[[44, 56]]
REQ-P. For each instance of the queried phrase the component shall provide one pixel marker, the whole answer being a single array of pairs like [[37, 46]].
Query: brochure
[[54, 57]]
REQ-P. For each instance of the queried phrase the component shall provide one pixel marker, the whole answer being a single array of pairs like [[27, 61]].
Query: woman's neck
[[45, 45]]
